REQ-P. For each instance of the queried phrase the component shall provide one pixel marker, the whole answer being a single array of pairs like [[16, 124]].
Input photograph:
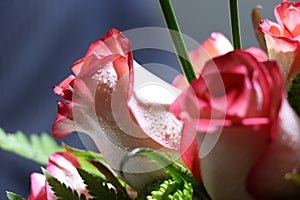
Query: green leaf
[[98, 188], [13, 196], [179, 173], [84, 155], [294, 178], [89, 167], [294, 94], [168, 189], [61, 191], [36, 148], [109, 176]]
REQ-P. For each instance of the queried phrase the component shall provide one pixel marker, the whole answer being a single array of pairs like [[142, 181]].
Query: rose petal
[[64, 124], [267, 178], [65, 88], [190, 150], [225, 169], [214, 46], [286, 14], [150, 107], [38, 191], [180, 82], [62, 166], [259, 54]]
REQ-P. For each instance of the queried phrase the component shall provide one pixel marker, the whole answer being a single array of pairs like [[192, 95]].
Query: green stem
[[235, 25], [177, 40]]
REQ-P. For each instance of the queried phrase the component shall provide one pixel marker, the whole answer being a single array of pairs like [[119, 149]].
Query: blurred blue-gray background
[[39, 40]]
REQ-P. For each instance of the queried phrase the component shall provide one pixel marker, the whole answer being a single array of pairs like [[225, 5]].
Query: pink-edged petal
[[150, 107], [38, 190], [50, 193], [189, 150], [287, 15], [113, 42], [65, 88], [259, 54], [217, 44], [268, 178], [62, 166], [282, 41], [225, 169], [285, 50], [180, 82], [245, 69], [279, 11], [64, 124], [76, 67]]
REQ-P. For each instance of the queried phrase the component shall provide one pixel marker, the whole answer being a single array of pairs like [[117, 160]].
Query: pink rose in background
[[101, 100], [216, 45], [38, 187], [283, 38], [62, 166], [240, 102]]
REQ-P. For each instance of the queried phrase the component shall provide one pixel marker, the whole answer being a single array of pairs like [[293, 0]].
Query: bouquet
[[227, 128]]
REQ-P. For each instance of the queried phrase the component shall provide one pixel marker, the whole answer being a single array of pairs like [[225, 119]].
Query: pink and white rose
[[245, 122], [102, 101], [283, 38]]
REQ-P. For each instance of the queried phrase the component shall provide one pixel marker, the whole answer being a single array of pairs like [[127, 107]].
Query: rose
[[216, 45], [102, 101], [62, 166], [268, 178], [241, 106], [282, 38]]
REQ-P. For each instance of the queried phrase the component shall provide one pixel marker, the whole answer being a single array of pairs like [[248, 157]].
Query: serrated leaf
[[84, 153], [13, 196], [37, 148], [99, 166], [89, 167], [98, 188], [61, 191], [179, 173], [109, 176], [167, 189]]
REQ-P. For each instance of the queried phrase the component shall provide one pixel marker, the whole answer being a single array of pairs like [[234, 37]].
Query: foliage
[[168, 189], [37, 148], [100, 189], [294, 94], [13, 196], [182, 185], [61, 191]]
